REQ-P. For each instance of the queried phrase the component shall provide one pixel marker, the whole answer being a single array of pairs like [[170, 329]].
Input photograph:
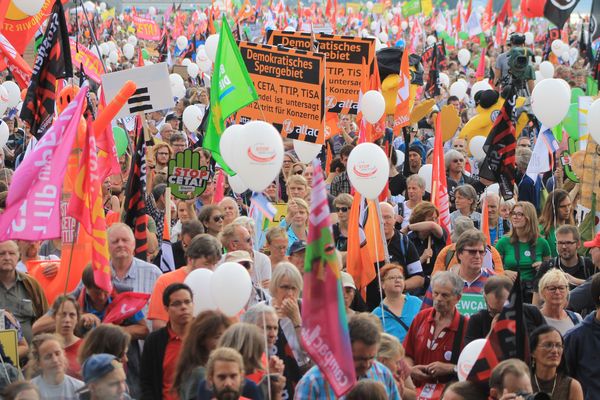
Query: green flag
[[231, 90], [411, 7], [592, 86]]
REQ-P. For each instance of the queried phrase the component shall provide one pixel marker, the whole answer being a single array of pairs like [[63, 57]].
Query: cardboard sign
[[8, 339], [92, 66], [146, 29], [291, 87], [346, 57], [181, 70], [153, 89], [186, 175], [279, 216], [470, 303]]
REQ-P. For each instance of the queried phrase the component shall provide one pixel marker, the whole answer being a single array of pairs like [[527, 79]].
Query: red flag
[[469, 10], [480, 73], [505, 13], [125, 305], [439, 187], [15, 63], [3, 10], [485, 221], [402, 112], [219, 192], [486, 18]]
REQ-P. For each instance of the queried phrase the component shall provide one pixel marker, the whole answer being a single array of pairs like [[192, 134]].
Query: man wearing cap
[[162, 347], [104, 378], [243, 258], [579, 298], [415, 158], [349, 289], [297, 253]]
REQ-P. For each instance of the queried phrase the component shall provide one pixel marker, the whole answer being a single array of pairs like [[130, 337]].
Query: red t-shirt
[[74, 369], [169, 364], [420, 345]]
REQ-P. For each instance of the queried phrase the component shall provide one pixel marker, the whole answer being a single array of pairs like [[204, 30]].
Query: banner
[[33, 202], [186, 175], [291, 88], [146, 29], [92, 66], [9, 58], [559, 11], [346, 57]]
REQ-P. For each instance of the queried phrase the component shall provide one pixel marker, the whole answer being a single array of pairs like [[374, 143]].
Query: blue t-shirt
[[398, 325]]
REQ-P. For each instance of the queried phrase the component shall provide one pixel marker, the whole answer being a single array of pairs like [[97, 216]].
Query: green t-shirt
[[526, 259], [551, 238]]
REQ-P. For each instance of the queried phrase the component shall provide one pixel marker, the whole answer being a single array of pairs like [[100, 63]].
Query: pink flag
[[82, 56], [15, 63], [33, 203], [146, 29], [325, 333]]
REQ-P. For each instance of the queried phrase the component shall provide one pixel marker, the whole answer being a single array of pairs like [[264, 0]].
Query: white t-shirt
[[67, 390]]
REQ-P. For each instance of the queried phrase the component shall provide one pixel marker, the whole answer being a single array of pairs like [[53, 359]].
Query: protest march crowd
[[309, 201]]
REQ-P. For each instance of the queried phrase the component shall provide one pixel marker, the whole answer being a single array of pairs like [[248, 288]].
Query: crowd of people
[[407, 327]]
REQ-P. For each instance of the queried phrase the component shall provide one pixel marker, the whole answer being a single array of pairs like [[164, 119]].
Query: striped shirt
[[141, 277], [475, 287], [314, 386]]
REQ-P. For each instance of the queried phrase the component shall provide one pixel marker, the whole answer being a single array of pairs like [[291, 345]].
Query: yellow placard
[[8, 339]]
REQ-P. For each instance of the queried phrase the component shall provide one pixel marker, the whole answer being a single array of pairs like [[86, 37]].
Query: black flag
[[594, 21], [499, 147], [559, 11], [53, 62]]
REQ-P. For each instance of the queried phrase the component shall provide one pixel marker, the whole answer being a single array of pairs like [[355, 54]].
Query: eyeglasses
[[517, 214], [394, 278], [561, 288], [550, 346], [474, 252], [341, 209], [458, 160], [218, 218], [245, 264], [298, 172], [179, 303], [566, 243]]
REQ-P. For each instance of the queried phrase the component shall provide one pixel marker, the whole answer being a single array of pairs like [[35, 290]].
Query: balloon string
[[377, 265]]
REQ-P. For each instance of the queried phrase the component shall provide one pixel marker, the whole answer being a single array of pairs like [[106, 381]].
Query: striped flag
[[439, 186], [261, 202]]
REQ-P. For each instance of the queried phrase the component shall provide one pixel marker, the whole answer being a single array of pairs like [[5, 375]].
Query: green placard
[[186, 175], [470, 303]]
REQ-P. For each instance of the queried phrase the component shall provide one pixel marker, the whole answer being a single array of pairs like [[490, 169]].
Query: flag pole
[[167, 210]]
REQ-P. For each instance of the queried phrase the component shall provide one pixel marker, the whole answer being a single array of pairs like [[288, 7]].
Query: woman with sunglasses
[[554, 292], [212, 218], [341, 205], [523, 249], [548, 368], [556, 212]]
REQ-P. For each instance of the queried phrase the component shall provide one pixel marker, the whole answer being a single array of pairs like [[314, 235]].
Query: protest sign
[[8, 340], [186, 175], [146, 29], [291, 87], [82, 56], [346, 57], [470, 303], [153, 89]]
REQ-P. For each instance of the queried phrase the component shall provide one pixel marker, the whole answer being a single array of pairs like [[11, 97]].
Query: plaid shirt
[[314, 386], [340, 184], [141, 278]]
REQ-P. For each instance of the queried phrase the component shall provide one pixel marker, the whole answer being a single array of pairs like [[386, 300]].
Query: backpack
[[518, 63]]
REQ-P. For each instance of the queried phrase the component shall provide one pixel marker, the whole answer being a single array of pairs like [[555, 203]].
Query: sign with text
[[146, 29], [470, 303], [291, 87], [186, 176], [346, 57], [82, 56], [153, 89]]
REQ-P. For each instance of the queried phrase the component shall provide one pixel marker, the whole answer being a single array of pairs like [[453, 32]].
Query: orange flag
[[402, 113], [485, 221]]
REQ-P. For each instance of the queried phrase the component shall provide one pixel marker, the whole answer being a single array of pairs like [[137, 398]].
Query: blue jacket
[[582, 349]]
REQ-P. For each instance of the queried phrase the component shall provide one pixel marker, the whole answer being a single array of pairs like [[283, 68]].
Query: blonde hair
[[389, 347], [36, 344], [553, 276]]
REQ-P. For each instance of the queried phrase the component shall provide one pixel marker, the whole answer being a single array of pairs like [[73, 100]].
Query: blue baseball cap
[[97, 366]]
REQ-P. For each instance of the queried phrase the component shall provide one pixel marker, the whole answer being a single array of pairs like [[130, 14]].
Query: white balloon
[[175, 79], [3, 100], [431, 40], [458, 89], [537, 60], [113, 57], [395, 29], [426, 172], [467, 358], [400, 156], [547, 69], [88, 5], [211, 44], [404, 25], [231, 287], [192, 117], [152, 10], [444, 79], [464, 56], [374, 26], [4, 133], [111, 45], [384, 37], [199, 280], [29, 7], [550, 101], [372, 105], [237, 184], [556, 47], [289, 29], [306, 151], [476, 147], [132, 40], [228, 145], [186, 62], [103, 6], [178, 91], [14, 93], [182, 42], [368, 169], [128, 51], [529, 38], [493, 188], [369, 5], [104, 48], [538, 77], [202, 60], [573, 55], [193, 69], [593, 121]]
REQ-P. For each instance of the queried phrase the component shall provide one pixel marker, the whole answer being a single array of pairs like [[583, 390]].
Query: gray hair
[[254, 314], [416, 179], [285, 270], [247, 223], [461, 225], [177, 136], [452, 155], [449, 278]]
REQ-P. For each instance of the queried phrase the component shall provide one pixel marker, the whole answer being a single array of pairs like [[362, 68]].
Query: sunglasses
[[245, 264], [218, 218], [474, 252], [341, 209], [298, 172]]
